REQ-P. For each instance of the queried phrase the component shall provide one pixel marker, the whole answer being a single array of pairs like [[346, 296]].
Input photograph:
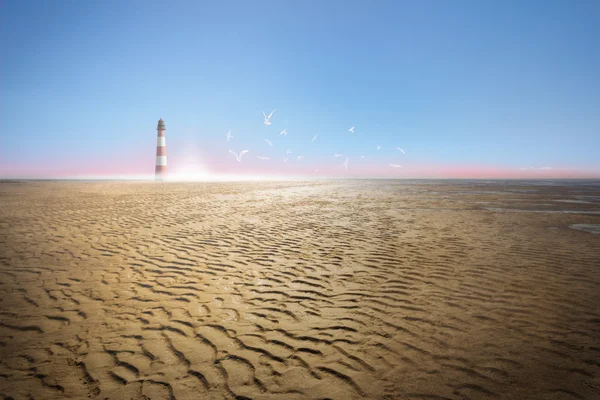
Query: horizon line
[[265, 179]]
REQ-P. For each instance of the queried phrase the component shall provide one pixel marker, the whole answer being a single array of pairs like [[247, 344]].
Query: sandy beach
[[300, 290]]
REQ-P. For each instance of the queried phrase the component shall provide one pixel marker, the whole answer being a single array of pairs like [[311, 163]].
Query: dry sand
[[300, 290]]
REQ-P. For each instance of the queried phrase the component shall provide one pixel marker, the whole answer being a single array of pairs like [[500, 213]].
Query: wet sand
[[299, 290]]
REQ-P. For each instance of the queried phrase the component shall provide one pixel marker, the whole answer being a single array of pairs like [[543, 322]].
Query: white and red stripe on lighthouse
[[161, 152]]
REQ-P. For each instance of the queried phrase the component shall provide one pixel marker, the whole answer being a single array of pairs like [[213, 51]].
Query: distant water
[[498, 209], [591, 228], [573, 197], [573, 201]]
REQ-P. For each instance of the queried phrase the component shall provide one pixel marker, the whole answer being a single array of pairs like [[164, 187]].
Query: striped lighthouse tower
[[160, 173]]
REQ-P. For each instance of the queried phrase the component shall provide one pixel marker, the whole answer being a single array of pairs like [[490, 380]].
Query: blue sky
[[490, 84]]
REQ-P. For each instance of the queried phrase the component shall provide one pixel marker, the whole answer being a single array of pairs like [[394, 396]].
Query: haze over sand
[[299, 290]]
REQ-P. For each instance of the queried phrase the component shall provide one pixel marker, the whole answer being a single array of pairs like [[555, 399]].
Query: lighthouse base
[[160, 173]]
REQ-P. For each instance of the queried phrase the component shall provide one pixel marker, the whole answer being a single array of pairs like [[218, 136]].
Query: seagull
[[262, 158], [288, 151], [396, 166], [269, 142], [315, 138], [401, 150], [285, 159], [336, 155], [300, 158], [351, 130], [378, 147], [346, 164], [229, 136], [268, 119], [283, 132], [239, 157]]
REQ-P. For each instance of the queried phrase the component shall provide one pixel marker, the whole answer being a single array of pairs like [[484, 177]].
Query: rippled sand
[[301, 290]]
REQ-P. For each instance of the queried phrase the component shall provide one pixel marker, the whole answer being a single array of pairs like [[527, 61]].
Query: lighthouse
[[160, 173]]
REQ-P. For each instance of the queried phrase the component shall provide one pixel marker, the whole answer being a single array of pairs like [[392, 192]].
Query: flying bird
[[351, 130], [285, 159], [262, 158], [315, 138], [229, 136], [346, 164], [269, 142], [283, 132], [396, 166], [288, 151], [268, 119], [300, 158], [239, 156], [336, 155], [401, 150], [378, 147]]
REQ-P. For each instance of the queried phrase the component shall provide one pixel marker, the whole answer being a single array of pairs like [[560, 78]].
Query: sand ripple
[[336, 290]]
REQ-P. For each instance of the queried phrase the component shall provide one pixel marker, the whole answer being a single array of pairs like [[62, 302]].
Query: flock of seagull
[[267, 121]]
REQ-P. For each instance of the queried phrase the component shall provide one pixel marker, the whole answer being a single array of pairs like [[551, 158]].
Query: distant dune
[[299, 290]]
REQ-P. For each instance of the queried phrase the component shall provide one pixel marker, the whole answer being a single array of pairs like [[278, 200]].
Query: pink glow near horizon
[[138, 165]]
